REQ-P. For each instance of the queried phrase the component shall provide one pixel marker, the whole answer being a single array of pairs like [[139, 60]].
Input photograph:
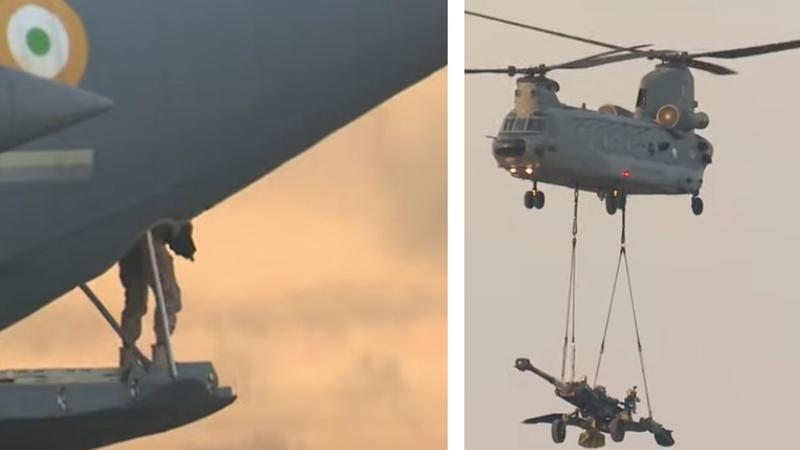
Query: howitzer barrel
[[524, 364]]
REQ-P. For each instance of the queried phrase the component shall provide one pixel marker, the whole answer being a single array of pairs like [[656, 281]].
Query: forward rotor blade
[[710, 67], [546, 31], [750, 51], [598, 59], [584, 64], [476, 71]]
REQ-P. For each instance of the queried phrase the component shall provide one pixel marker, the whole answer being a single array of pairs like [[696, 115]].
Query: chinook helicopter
[[614, 152]]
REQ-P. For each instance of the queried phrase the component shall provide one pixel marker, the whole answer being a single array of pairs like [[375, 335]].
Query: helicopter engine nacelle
[[534, 94], [615, 110], [668, 116], [701, 120], [666, 96]]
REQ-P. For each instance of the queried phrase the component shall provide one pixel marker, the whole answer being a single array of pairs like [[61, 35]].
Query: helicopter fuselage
[[601, 152]]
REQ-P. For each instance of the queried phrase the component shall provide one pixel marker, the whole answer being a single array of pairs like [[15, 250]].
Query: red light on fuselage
[[626, 174]]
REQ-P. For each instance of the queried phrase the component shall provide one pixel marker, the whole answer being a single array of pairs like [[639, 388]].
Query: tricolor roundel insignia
[[45, 38]]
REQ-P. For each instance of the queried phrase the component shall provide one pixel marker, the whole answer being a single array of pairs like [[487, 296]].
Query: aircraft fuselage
[[209, 96], [600, 152]]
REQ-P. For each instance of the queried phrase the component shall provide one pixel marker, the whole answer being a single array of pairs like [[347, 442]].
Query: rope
[[623, 256], [638, 338], [570, 319], [608, 319]]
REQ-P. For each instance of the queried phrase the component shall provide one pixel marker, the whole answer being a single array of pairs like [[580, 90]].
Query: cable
[[623, 256], [570, 319], [638, 338], [608, 320]]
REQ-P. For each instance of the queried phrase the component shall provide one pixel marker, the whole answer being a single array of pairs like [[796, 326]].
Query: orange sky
[[319, 293]]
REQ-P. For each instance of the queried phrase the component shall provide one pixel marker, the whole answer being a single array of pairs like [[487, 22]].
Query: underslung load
[[595, 411]]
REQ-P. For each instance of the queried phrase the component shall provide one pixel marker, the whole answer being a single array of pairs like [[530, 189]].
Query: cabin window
[[519, 124], [651, 148], [516, 93], [536, 125], [663, 146], [641, 99]]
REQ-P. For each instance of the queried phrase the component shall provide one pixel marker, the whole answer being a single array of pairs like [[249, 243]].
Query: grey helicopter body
[[614, 152], [609, 150]]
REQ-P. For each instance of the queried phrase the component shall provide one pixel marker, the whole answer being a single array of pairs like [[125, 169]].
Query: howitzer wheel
[[616, 430], [558, 431], [664, 438]]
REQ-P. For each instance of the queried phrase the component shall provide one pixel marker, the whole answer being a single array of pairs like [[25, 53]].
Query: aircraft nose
[[36, 107]]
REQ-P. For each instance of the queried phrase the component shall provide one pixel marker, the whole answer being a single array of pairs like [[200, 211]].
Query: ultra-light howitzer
[[595, 412]]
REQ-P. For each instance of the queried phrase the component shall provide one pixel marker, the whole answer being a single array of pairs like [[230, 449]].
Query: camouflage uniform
[[136, 274]]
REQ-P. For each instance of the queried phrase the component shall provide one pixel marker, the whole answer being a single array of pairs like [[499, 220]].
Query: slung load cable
[[570, 320], [623, 256]]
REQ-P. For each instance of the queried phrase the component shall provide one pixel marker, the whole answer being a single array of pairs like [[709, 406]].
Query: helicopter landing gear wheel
[[530, 200], [539, 200], [558, 431], [616, 431], [534, 199], [697, 205], [611, 205], [614, 201]]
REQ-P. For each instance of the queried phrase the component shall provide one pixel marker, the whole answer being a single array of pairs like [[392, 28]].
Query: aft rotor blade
[[546, 31], [750, 51], [710, 67]]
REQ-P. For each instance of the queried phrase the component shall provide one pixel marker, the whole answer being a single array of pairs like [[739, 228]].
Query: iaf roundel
[[45, 38]]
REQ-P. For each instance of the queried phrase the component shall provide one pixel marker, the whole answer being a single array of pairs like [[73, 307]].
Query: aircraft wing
[[209, 96]]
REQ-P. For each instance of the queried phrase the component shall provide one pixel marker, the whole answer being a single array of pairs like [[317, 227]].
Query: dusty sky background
[[716, 295], [319, 293]]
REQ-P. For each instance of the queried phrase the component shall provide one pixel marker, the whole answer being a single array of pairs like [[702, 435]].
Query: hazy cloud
[[319, 293]]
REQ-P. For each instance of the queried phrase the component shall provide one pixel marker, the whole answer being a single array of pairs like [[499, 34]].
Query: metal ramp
[[82, 409], [88, 408]]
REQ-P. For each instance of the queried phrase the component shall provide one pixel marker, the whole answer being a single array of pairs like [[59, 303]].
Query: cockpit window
[[536, 125], [519, 124], [508, 124], [641, 99]]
